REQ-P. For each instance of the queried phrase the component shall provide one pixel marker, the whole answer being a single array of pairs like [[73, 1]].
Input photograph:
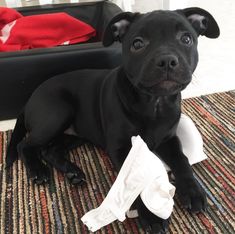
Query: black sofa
[[22, 71]]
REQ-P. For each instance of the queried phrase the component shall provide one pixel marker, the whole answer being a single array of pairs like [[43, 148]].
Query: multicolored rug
[[58, 206]]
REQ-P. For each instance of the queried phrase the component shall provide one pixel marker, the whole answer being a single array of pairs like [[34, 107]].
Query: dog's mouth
[[165, 87], [168, 84]]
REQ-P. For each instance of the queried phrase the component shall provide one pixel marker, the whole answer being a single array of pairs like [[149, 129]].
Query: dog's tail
[[17, 135]]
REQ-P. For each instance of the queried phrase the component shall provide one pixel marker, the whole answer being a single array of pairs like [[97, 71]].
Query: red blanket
[[37, 31]]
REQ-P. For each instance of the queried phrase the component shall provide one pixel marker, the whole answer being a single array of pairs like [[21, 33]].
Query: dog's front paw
[[191, 195], [151, 223], [154, 226]]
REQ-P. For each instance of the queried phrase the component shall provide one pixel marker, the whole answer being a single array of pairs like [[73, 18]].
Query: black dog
[[107, 107]]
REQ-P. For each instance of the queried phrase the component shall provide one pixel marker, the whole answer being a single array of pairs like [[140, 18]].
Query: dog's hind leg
[[70, 141], [56, 154], [43, 127], [29, 152]]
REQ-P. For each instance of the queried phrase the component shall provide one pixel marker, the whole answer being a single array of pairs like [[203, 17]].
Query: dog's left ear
[[117, 27], [202, 21]]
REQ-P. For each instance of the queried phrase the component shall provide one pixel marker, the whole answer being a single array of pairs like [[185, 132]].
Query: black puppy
[[107, 107]]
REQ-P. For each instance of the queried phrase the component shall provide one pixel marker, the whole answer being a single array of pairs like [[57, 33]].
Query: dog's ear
[[202, 21], [117, 27]]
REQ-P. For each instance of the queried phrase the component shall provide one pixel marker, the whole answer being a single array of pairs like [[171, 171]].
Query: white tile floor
[[216, 68]]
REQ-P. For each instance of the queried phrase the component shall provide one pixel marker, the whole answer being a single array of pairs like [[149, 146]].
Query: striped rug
[[58, 206]]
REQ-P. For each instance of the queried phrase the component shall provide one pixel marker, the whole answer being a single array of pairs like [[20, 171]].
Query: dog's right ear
[[117, 27]]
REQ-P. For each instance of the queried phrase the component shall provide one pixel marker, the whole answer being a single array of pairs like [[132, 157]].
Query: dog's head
[[160, 48]]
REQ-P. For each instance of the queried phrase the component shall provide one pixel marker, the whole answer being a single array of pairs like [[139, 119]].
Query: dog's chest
[[160, 108], [162, 123]]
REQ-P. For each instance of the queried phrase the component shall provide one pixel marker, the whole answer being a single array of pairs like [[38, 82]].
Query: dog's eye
[[186, 39], [137, 44]]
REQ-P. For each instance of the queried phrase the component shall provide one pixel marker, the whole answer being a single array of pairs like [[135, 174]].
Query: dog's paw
[[76, 175], [39, 174], [154, 226], [191, 195], [151, 223], [76, 178]]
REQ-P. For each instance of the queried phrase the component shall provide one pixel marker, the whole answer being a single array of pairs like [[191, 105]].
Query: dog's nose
[[167, 61]]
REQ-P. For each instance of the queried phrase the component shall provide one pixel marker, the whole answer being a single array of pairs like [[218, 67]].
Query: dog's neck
[[142, 104]]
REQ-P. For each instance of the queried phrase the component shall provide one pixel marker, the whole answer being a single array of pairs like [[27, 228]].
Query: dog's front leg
[[118, 155], [189, 190], [150, 222]]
